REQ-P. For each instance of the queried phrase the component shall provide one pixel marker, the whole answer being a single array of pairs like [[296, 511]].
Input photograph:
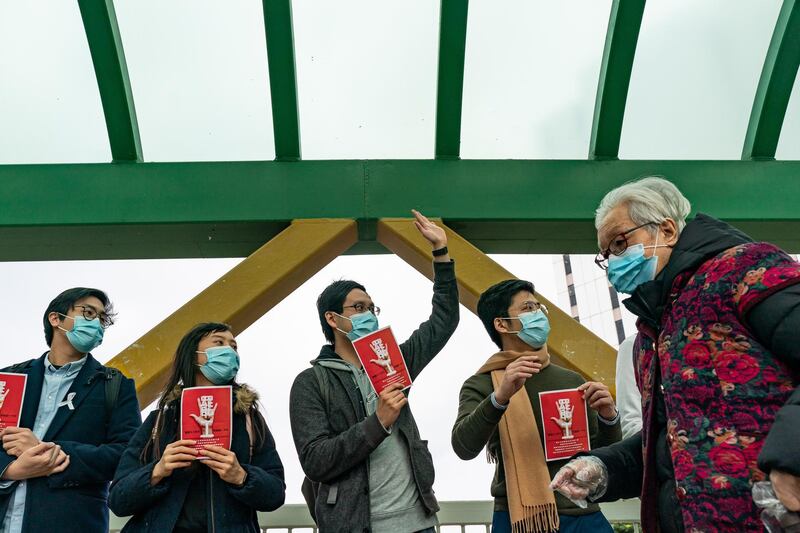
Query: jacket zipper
[[211, 488]]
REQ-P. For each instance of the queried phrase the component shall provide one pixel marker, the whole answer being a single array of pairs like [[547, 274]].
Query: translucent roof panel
[[49, 100], [530, 78], [789, 143], [198, 71], [366, 77], [694, 78]]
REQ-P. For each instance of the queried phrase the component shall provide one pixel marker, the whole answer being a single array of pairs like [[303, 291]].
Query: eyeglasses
[[361, 308], [528, 307], [90, 314], [617, 246]]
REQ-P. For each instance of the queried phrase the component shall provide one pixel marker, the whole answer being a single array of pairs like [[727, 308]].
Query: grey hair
[[651, 199]]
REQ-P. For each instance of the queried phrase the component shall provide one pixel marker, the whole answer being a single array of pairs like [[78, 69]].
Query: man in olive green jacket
[[518, 324]]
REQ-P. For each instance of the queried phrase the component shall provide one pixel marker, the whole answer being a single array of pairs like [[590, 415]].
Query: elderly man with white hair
[[717, 361]]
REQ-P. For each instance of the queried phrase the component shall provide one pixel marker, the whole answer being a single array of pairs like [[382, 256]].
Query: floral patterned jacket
[[722, 389]]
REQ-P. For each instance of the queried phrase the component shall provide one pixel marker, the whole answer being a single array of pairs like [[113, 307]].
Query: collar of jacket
[[701, 239]]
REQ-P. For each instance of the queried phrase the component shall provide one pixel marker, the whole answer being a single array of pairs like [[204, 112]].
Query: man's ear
[[330, 318], [670, 230], [500, 325], [54, 319]]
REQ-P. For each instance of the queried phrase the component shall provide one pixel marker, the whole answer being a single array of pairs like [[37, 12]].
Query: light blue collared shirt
[[57, 381]]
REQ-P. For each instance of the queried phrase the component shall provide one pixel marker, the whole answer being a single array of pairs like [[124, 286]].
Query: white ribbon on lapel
[[68, 401]]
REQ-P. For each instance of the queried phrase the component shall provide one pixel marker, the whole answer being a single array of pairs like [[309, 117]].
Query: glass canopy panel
[[530, 78], [198, 72], [694, 78], [366, 78], [49, 100], [789, 142]]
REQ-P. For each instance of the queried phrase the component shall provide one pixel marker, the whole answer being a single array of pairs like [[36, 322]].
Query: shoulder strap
[[18, 367], [324, 383], [113, 383]]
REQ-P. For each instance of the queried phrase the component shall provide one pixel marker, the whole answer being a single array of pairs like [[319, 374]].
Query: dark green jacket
[[476, 428]]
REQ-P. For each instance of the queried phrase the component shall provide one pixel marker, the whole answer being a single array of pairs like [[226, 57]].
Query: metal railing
[[454, 516]]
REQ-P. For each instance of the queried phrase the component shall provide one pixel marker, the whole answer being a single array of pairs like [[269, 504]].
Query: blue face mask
[[363, 324], [535, 328], [629, 270], [85, 335], [222, 364]]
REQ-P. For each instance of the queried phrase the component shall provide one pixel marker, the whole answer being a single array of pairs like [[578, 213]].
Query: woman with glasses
[[161, 480], [717, 358]]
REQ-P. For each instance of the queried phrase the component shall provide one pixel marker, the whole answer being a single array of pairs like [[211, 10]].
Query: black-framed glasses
[[89, 313], [528, 307], [617, 246], [361, 308]]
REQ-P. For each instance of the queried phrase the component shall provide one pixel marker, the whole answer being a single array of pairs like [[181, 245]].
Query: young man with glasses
[[506, 389], [77, 419], [368, 468], [717, 359]]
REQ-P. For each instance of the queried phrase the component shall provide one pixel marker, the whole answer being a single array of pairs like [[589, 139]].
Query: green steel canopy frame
[[150, 210]]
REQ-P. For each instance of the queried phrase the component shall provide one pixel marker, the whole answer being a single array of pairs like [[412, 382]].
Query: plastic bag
[[581, 480], [776, 518]]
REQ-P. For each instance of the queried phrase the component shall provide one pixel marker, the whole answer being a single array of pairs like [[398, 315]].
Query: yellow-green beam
[[570, 344], [239, 298]]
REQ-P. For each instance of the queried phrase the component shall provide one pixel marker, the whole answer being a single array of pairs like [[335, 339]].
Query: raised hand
[[433, 233]]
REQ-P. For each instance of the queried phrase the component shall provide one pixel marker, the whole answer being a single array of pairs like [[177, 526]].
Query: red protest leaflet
[[565, 422], [207, 415], [12, 392], [381, 357]]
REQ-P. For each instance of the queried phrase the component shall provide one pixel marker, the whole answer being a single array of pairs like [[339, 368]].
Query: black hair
[[183, 374], [66, 300], [332, 299], [495, 301]]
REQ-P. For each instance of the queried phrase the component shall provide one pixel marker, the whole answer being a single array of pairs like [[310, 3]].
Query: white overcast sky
[[366, 74]]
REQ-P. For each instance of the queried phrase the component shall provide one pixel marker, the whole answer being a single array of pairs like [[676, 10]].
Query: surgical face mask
[[85, 335], [222, 364], [363, 324], [631, 269], [535, 328]]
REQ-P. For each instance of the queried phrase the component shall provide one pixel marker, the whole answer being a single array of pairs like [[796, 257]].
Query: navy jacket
[[75, 499], [230, 509]]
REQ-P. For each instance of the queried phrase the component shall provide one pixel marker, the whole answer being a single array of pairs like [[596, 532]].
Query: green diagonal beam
[[450, 87], [615, 77], [282, 78], [775, 86], [108, 57]]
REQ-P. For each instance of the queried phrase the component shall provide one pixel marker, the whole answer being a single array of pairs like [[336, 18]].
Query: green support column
[[450, 87], [615, 77], [282, 78], [108, 57], [775, 86]]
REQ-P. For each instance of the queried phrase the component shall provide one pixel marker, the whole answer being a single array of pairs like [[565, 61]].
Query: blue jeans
[[589, 523]]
